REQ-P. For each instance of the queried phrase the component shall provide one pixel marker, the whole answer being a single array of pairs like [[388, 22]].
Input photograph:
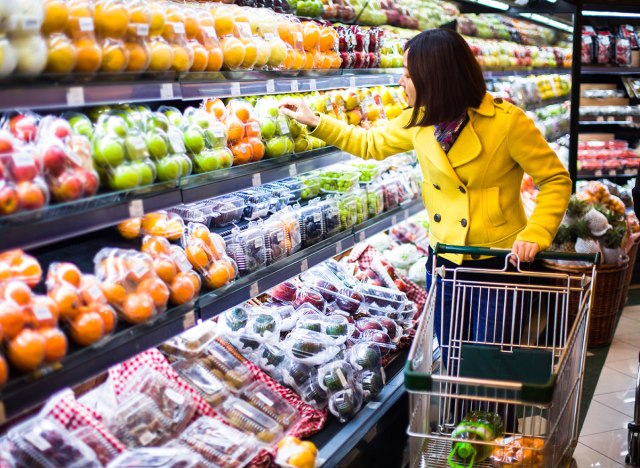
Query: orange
[[231, 269], [12, 319], [223, 21], [191, 23], [197, 254], [182, 58], [61, 54], [158, 291], [157, 19], [139, 56], [17, 291], [90, 291], [161, 56], [69, 273], [67, 299], [257, 148], [173, 18], [130, 229], [200, 57], [327, 39], [252, 128], [114, 57], [289, 60], [216, 107], [5, 271], [311, 36], [4, 370], [250, 53], [154, 223], [89, 55], [138, 308], [235, 129], [27, 269], [308, 61], [299, 59], [115, 293], [243, 112], [175, 229], [138, 269], [182, 289], [195, 280], [111, 18], [154, 246], [44, 312], [217, 276], [285, 31], [214, 59], [26, 351], [87, 328], [56, 15], [242, 153], [55, 344], [108, 316], [233, 52], [139, 13], [165, 268], [78, 9]]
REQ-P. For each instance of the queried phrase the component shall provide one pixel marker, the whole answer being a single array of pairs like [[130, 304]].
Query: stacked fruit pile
[[505, 28], [493, 53], [606, 156]]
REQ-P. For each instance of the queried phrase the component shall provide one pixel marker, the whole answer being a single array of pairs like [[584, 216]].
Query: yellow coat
[[472, 193]]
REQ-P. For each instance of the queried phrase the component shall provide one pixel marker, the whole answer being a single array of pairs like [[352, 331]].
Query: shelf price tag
[[136, 208], [313, 84], [394, 220], [392, 80], [75, 96], [235, 89], [304, 265], [271, 86], [362, 236], [293, 170], [598, 173], [166, 91], [256, 180], [254, 290], [189, 320], [294, 86], [352, 81], [338, 247]]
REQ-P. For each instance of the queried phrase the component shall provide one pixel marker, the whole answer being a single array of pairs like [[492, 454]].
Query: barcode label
[[258, 243], [22, 160], [210, 31], [317, 217], [138, 143], [341, 377], [178, 28], [30, 24], [362, 237], [254, 126], [264, 399], [293, 170], [181, 260], [37, 441], [352, 81], [176, 142], [142, 29], [284, 128], [140, 269], [268, 36], [338, 247], [280, 236], [95, 293], [86, 24], [304, 265], [217, 131], [146, 438], [299, 37], [244, 29], [394, 220], [75, 96], [136, 208], [254, 290], [42, 313], [174, 396]]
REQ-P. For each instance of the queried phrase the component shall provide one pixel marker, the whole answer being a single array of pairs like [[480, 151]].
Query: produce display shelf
[[27, 391], [52, 94], [604, 70], [336, 441], [609, 123], [64, 221], [600, 174], [547, 103]]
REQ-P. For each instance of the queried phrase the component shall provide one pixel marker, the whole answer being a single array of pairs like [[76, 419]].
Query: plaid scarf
[[447, 133]]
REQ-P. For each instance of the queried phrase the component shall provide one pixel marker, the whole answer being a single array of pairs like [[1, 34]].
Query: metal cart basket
[[525, 364]]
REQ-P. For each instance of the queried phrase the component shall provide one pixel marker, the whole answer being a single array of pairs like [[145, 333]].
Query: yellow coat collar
[[486, 107]]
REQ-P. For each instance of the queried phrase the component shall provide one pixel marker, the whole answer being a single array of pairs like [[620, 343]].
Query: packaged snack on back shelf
[[248, 418], [138, 422], [226, 366], [160, 457], [219, 443], [212, 389], [271, 404]]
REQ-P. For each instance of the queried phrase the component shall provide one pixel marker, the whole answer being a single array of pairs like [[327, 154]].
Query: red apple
[[8, 200], [23, 127], [6, 143], [23, 167], [66, 187], [30, 195], [60, 128], [54, 159], [89, 181], [2, 172]]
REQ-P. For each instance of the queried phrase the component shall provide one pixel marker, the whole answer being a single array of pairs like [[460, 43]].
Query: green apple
[[267, 128], [201, 118], [158, 120], [288, 145], [146, 170], [273, 112], [206, 161], [136, 147], [216, 135], [225, 156], [81, 125], [157, 144], [282, 126], [302, 143], [116, 124], [169, 168], [193, 138], [174, 115], [295, 128], [276, 147], [108, 151], [186, 164], [124, 177]]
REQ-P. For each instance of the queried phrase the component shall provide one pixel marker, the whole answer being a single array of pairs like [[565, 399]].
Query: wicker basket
[[633, 254], [608, 288]]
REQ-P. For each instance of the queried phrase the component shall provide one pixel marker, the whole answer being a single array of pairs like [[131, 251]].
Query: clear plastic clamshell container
[[138, 422], [44, 443], [269, 356], [296, 188], [225, 366], [310, 347], [280, 195], [256, 203], [248, 418], [270, 403], [365, 356], [102, 448], [159, 457], [330, 215], [304, 380], [225, 211], [208, 385], [248, 249], [335, 326], [310, 186], [382, 298], [275, 240], [192, 342], [339, 179], [311, 224], [336, 376], [219, 443], [346, 403], [348, 209]]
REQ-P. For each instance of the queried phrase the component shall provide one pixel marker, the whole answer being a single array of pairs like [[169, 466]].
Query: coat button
[[436, 186], [463, 222], [436, 217], [498, 100], [462, 190]]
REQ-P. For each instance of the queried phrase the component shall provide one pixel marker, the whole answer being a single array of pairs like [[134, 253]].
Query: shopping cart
[[527, 369]]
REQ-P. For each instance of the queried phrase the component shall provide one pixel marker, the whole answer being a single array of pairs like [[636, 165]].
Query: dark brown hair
[[446, 76]]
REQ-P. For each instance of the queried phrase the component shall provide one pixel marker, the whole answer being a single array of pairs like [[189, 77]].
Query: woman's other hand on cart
[[526, 251]]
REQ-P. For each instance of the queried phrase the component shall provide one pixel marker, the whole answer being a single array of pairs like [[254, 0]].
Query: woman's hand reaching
[[299, 110], [526, 251]]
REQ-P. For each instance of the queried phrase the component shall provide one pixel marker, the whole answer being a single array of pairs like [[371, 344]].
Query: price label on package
[[210, 31], [75, 96], [86, 24], [178, 28], [284, 128], [244, 29], [294, 86], [142, 29], [176, 142], [136, 208]]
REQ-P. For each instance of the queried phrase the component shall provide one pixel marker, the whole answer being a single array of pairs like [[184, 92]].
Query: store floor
[[603, 437]]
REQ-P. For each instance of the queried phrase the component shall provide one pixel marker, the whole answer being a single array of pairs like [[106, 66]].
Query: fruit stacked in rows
[[159, 223], [206, 253], [15, 264], [360, 47], [81, 303], [274, 128]]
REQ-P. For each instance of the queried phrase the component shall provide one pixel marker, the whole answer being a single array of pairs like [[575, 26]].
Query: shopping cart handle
[[487, 251]]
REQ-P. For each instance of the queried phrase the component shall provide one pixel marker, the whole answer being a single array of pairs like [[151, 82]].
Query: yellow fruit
[[161, 56], [200, 57], [223, 20], [157, 20], [114, 57], [250, 53], [278, 52], [264, 53], [89, 56], [182, 58], [62, 54], [233, 52], [111, 18], [139, 56], [56, 15], [215, 58]]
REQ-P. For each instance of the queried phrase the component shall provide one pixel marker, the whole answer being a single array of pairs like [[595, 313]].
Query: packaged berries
[[206, 252], [247, 248]]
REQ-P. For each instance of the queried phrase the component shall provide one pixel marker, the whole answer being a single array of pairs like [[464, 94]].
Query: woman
[[473, 150]]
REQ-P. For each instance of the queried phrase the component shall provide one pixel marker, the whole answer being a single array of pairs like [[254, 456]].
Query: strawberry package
[[604, 47]]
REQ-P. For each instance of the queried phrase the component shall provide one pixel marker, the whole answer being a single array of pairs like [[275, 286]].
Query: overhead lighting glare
[[548, 21], [552, 1], [494, 4], [610, 13]]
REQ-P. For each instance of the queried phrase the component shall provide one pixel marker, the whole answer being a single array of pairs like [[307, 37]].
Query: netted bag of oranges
[[206, 253], [15, 264], [81, 303], [29, 325], [172, 266], [130, 284], [159, 223]]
